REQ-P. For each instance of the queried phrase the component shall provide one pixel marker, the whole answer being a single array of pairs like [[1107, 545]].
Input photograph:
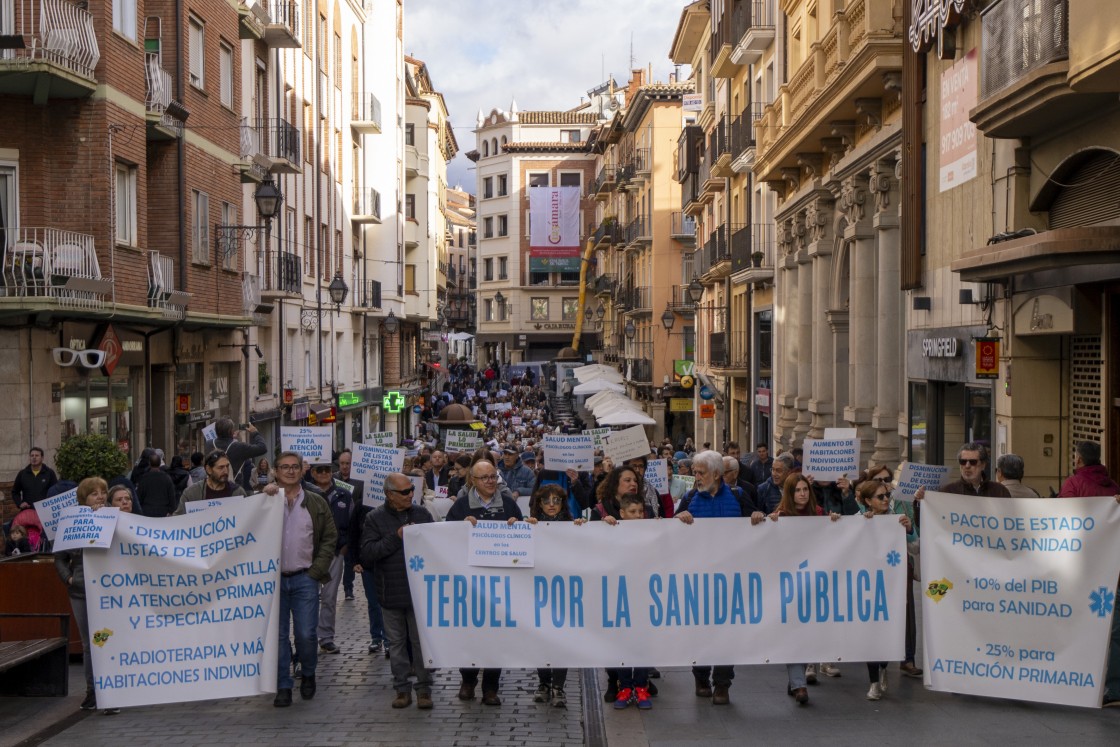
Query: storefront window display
[[99, 405]]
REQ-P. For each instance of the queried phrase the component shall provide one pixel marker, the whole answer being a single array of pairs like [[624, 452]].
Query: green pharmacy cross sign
[[393, 402]]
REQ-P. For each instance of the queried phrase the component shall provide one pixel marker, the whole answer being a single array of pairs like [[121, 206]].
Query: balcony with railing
[[742, 137], [253, 302], [728, 28], [365, 113], [634, 170], [255, 162], [606, 235], [280, 273], [639, 363], [680, 302], [252, 19], [283, 27], [709, 183], [728, 354], [1024, 70], [715, 256], [682, 228], [368, 294], [639, 232], [165, 117], [605, 182], [161, 288], [719, 150], [757, 33], [52, 266], [691, 205], [604, 284], [50, 50], [636, 299], [367, 206], [753, 253], [283, 145]]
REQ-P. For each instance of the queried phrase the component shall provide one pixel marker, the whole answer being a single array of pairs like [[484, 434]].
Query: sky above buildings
[[484, 53]]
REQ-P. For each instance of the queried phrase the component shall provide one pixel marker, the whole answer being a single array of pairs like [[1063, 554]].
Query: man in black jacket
[[383, 551], [33, 481], [239, 451]]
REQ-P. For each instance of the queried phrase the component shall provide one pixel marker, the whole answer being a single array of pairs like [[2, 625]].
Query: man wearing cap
[[529, 459], [517, 477]]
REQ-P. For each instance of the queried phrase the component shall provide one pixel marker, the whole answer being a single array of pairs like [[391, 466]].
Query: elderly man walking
[[383, 551]]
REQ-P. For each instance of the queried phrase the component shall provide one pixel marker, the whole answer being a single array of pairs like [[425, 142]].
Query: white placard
[[208, 503], [627, 444], [417, 489], [313, 443], [499, 407], [831, 434], [372, 464], [483, 394], [497, 544], [503, 393], [185, 608], [657, 475], [210, 433], [912, 476], [387, 439], [564, 452], [828, 461], [461, 440], [679, 485], [81, 527], [515, 420], [586, 603], [597, 434], [441, 491], [471, 394], [1019, 595], [50, 510]]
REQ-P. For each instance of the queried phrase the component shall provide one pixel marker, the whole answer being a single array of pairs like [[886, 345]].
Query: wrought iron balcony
[[280, 273], [368, 294], [605, 182], [604, 284], [638, 231], [607, 234], [253, 301], [683, 228], [53, 264], [756, 33], [283, 29], [1020, 36], [56, 40], [165, 117], [742, 136], [680, 301], [161, 287]]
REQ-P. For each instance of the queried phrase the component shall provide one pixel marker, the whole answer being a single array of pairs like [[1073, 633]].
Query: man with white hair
[[711, 499]]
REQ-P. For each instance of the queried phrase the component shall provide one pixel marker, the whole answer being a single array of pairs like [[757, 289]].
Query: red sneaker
[[623, 699], [641, 695]]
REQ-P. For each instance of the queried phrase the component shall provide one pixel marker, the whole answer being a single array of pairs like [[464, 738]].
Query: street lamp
[[588, 314], [499, 298], [630, 330], [391, 323], [600, 311], [269, 199], [695, 290], [668, 319], [338, 291]]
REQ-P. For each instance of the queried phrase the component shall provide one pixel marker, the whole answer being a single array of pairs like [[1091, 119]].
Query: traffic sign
[[417, 409]]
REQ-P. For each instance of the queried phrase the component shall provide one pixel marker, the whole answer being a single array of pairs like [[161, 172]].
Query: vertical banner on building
[[957, 149], [1019, 595], [554, 221], [987, 357], [186, 608]]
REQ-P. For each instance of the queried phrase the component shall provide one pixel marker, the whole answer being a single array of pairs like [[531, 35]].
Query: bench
[[35, 667]]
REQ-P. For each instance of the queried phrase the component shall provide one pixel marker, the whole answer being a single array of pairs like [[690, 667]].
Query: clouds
[[546, 55]]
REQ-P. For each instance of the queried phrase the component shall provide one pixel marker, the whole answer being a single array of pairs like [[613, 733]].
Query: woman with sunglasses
[[550, 503], [874, 497]]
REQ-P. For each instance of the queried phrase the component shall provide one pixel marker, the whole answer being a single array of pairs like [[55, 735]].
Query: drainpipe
[[181, 158]]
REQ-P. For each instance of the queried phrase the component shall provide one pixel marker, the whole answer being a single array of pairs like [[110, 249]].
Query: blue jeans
[[376, 622], [299, 609], [796, 675], [1112, 673]]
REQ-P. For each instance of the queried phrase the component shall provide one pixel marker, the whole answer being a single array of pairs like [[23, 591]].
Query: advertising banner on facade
[[1019, 595], [186, 607], [554, 221], [957, 150], [794, 590]]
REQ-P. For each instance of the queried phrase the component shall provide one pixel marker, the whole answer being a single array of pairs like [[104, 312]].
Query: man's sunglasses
[[406, 491], [969, 462]]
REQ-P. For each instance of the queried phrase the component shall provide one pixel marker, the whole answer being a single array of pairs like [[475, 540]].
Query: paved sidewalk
[[350, 708]]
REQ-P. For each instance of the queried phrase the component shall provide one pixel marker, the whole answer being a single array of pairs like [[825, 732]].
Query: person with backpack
[[238, 451], [216, 485]]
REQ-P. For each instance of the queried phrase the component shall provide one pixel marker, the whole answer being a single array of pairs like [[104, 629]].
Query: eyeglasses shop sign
[[941, 347]]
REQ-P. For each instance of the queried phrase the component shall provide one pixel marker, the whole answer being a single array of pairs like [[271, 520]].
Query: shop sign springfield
[[941, 347]]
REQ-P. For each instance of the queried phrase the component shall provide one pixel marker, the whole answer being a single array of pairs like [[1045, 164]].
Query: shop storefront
[[948, 404]]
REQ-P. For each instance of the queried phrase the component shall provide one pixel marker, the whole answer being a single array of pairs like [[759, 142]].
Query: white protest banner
[[210, 432], [462, 440], [499, 407], [784, 591], [503, 393], [208, 503], [913, 476], [564, 452], [372, 464], [679, 485], [483, 394], [186, 608], [496, 544], [627, 444], [312, 443], [657, 475], [834, 433], [50, 510], [515, 420], [828, 461], [597, 434], [388, 439], [1019, 595], [81, 527]]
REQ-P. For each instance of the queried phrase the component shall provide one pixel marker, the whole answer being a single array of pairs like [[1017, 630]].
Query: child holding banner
[[874, 497], [92, 492], [549, 503]]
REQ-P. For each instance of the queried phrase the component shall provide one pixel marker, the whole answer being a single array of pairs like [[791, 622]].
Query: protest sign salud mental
[[387, 439], [461, 440], [626, 444], [716, 590], [1019, 595], [564, 452], [372, 464], [186, 608], [598, 434], [828, 461], [312, 443], [497, 544]]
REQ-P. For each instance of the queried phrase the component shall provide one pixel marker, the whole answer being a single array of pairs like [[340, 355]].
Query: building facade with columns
[[828, 147]]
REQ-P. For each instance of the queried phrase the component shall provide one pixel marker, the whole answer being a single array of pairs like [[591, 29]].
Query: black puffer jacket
[[383, 551]]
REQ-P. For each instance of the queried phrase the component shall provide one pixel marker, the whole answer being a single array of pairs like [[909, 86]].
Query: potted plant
[[756, 258], [90, 455]]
